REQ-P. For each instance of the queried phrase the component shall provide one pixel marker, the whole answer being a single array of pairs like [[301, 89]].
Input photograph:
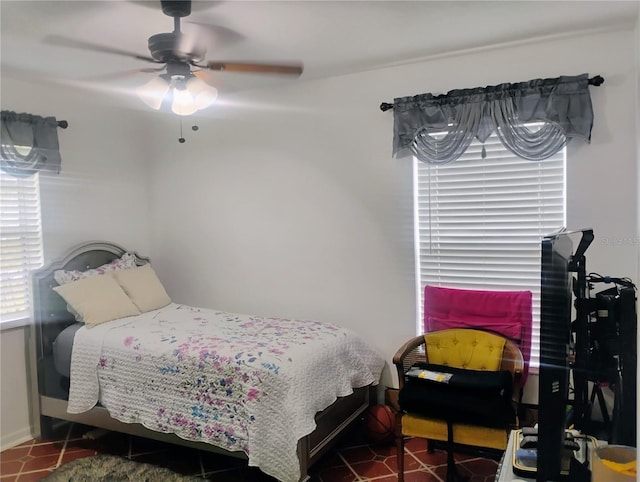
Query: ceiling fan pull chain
[[181, 139]]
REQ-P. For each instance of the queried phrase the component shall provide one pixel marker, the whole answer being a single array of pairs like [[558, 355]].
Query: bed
[[264, 367]]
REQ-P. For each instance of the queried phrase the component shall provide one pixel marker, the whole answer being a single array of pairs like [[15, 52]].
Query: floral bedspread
[[236, 381]]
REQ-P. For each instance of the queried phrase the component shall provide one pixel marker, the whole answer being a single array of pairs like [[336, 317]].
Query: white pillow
[[143, 287], [97, 299], [127, 261]]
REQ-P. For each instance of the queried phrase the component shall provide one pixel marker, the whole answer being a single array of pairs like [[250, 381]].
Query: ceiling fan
[[184, 67]]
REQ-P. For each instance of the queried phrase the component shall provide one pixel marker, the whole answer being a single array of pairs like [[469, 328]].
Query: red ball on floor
[[379, 423]]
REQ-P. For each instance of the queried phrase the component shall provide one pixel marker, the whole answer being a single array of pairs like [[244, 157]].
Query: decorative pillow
[[143, 287], [97, 299], [127, 261]]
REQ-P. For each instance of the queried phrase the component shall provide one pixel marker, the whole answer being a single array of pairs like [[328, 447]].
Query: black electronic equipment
[[613, 355], [556, 296], [598, 345]]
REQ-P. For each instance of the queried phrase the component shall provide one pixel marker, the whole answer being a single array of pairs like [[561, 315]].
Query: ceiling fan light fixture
[[153, 92], [203, 93], [185, 92], [183, 102]]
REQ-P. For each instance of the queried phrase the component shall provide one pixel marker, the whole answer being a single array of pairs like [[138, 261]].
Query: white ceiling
[[328, 37]]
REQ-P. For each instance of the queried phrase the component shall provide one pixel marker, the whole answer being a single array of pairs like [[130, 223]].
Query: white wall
[[100, 195], [296, 208], [15, 425]]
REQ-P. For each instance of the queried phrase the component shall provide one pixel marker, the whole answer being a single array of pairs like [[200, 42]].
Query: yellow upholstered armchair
[[458, 386]]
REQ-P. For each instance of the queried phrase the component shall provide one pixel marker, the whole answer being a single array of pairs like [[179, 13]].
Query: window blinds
[[479, 222], [20, 243]]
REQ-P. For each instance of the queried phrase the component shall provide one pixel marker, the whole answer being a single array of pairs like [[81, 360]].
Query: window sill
[[13, 324]]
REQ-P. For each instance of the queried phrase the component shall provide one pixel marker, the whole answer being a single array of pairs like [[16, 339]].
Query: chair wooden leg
[[399, 447], [452, 471]]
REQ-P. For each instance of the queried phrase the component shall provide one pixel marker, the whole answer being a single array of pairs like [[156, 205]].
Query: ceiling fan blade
[[216, 35], [204, 75], [148, 70], [126, 74], [81, 44], [256, 68]]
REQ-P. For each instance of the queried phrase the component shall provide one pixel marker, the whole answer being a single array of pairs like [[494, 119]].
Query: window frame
[[474, 154], [24, 229]]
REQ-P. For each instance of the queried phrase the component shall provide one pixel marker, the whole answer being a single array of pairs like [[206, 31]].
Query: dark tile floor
[[353, 460]]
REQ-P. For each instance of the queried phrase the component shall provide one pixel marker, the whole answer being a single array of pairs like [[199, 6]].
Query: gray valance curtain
[[438, 129], [28, 144]]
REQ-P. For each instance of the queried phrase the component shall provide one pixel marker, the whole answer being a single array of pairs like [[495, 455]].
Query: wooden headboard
[[50, 313]]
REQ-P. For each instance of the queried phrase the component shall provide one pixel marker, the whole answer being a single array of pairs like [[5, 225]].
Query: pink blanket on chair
[[505, 312]]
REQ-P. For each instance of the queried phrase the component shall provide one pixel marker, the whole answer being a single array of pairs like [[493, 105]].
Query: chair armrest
[[407, 355], [407, 348], [513, 361]]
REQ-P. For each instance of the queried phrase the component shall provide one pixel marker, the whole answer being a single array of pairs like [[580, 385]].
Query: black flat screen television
[[558, 262]]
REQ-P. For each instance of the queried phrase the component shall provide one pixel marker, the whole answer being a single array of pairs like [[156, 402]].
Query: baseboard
[[15, 438]]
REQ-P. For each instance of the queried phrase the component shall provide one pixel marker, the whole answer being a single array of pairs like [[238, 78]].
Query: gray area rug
[[109, 468]]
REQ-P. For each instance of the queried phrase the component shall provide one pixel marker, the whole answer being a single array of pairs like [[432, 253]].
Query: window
[[479, 222], [20, 244]]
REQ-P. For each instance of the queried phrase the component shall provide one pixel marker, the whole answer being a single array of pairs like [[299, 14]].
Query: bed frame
[[50, 399]]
